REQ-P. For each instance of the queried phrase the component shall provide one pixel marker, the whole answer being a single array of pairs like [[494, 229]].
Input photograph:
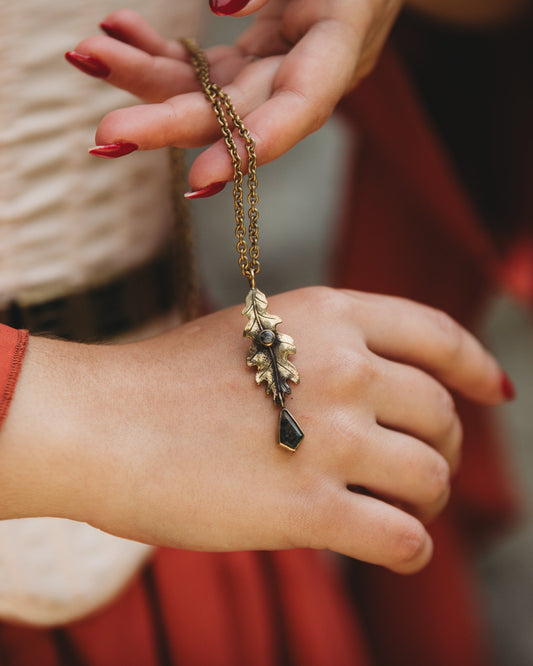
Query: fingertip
[[207, 191], [496, 390], [88, 64], [507, 387], [495, 386], [212, 166], [112, 150], [114, 31], [422, 552]]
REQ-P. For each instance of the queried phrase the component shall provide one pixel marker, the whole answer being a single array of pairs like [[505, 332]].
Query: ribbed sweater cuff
[[13, 344]]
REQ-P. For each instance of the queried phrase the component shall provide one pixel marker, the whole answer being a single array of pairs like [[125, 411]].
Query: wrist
[[40, 459]]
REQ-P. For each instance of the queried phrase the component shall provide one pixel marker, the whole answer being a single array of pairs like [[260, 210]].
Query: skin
[[311, 53], [140, 441]]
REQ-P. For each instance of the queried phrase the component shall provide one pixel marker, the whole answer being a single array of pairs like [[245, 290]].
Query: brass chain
[[225, 111]]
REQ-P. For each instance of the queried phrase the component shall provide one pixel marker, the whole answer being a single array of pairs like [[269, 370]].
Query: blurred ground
[[297, 206]]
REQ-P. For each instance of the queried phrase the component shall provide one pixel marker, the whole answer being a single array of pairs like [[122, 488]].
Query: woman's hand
[[285, 75], [170, 441]]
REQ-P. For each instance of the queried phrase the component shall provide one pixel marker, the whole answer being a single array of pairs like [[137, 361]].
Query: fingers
[[428, 338], [303, 96], [370, 530], [188, 120], [400, 469], [128, 26], [422, 408], [154, 78], [281, 99], [291, 99], [157, 77]]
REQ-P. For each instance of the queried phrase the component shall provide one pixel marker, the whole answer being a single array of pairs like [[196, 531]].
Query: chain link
[[225, 112]]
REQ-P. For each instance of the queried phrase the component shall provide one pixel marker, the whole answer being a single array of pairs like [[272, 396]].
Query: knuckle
[[349, 373], [348, 360], [428, 512], [318, 117], [439, 480], [266, 146], [364, 369], [335, 303], [453, 450], [313, 110], [447, 417], [409, 543], [451, 335], [454, 456], [448, 429], [365, 65], [327, 300], [332, 304]]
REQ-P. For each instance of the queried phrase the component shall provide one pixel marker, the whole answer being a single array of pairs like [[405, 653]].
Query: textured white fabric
[[68, 220]]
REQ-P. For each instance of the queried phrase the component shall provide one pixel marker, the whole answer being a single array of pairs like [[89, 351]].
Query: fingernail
[[114, 32], [114, 149], [507, 387], [208, 191], [227, 7], [88, 64]]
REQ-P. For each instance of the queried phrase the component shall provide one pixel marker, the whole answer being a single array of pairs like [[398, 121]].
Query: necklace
[[270, 349]]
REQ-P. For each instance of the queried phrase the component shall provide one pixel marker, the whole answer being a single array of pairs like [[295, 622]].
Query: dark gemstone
[[290, 433], [267, 337]]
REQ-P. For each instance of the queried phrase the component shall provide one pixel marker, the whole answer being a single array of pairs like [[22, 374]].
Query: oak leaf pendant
[[269, 352]]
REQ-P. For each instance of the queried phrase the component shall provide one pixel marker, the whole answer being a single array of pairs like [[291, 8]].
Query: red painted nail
[[114, 32], [507, 387], [88, 64], [208, 191], [227, 7], [114, 149]]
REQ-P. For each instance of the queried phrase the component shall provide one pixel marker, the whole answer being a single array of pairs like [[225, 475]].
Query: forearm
[[472, 12]]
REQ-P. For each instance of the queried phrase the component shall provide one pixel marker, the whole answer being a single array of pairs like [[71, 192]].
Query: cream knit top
[[66, 218]]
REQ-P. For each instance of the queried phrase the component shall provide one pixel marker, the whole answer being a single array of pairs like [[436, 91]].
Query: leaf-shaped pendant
[[269, 352]]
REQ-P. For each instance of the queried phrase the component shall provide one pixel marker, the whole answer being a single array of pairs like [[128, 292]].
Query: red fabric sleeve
[[12, 348]]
